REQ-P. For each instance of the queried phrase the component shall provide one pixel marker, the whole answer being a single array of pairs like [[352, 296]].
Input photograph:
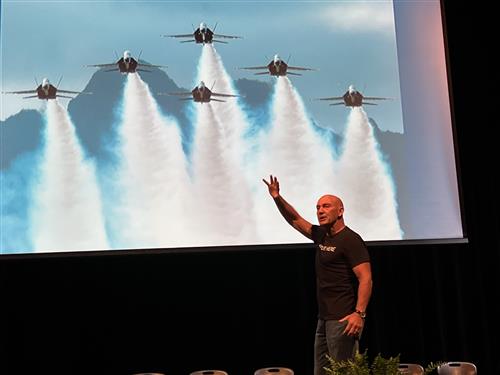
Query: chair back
[[274, 371], [209, 372], [410, 369], [457, 368]]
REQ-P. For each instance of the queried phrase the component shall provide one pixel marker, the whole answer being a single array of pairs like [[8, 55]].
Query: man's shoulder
[[353, 237], [349, 231], [317, 233]]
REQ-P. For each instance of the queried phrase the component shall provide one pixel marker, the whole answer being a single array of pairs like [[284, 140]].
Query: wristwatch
[[362, 314]]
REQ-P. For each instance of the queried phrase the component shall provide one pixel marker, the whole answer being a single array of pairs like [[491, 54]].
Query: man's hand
[[289, 213], [273, 185], [354, 324]]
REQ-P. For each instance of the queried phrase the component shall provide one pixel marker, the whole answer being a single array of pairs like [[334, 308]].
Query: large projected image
[[152, 124]]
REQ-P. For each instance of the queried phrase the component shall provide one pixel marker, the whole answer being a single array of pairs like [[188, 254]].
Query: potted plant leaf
[[360, 365]]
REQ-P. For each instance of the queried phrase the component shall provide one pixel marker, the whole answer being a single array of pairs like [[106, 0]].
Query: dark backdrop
[[238, 311]]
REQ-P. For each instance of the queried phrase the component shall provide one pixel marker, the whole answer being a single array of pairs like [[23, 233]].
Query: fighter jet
[[200, 94], [277, 67], [203, 35], [46, 91], [126, 64], [353, 98]]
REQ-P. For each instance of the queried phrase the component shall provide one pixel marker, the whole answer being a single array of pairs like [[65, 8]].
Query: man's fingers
[[350, 331], [272, 181]]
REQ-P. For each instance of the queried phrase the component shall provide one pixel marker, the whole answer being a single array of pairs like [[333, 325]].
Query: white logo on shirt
[[327, 248]]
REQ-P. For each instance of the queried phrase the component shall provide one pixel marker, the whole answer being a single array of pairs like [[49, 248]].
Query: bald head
[[333, 199], [330, 211]]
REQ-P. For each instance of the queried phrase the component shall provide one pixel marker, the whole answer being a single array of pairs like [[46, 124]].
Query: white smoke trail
[[212, 72], [67, 212], [154, 186], [300, 159], [222, 216], [365, 184], [228, 122]]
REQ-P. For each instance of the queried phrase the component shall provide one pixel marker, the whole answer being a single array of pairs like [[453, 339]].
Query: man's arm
[[287, 211], [364, 274], [354, 321]]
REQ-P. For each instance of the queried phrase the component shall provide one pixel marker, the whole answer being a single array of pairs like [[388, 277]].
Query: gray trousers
[[331, 341]]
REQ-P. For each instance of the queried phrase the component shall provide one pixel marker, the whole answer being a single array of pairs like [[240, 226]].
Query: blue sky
[[350, 42]]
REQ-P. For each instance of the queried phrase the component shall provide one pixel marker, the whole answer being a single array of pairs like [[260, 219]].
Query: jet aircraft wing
[[184, 93], [299, 68], [332, 98], [227, 36], [375, 98], [178, 36], [102, 65], [20, 92], [224, 95], [70, 92], [151, 65], [254, 67]]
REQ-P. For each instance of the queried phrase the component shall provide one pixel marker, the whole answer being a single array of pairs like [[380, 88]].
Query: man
[[343, 276]]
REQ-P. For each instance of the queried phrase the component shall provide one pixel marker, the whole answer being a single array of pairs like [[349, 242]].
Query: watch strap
[[362, 314]]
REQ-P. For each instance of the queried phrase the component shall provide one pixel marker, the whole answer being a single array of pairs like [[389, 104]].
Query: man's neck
[[335, 228]]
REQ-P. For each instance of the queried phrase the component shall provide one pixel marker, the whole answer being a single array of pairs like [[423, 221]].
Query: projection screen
[[152, 124]]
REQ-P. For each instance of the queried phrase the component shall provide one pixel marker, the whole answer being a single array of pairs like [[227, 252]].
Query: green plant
[[431, 367], [360, 365]]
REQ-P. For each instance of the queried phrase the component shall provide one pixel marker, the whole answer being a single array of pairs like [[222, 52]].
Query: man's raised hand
[[273, 185]]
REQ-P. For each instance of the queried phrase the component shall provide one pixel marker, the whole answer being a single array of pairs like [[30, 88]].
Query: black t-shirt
[[337, 285]]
